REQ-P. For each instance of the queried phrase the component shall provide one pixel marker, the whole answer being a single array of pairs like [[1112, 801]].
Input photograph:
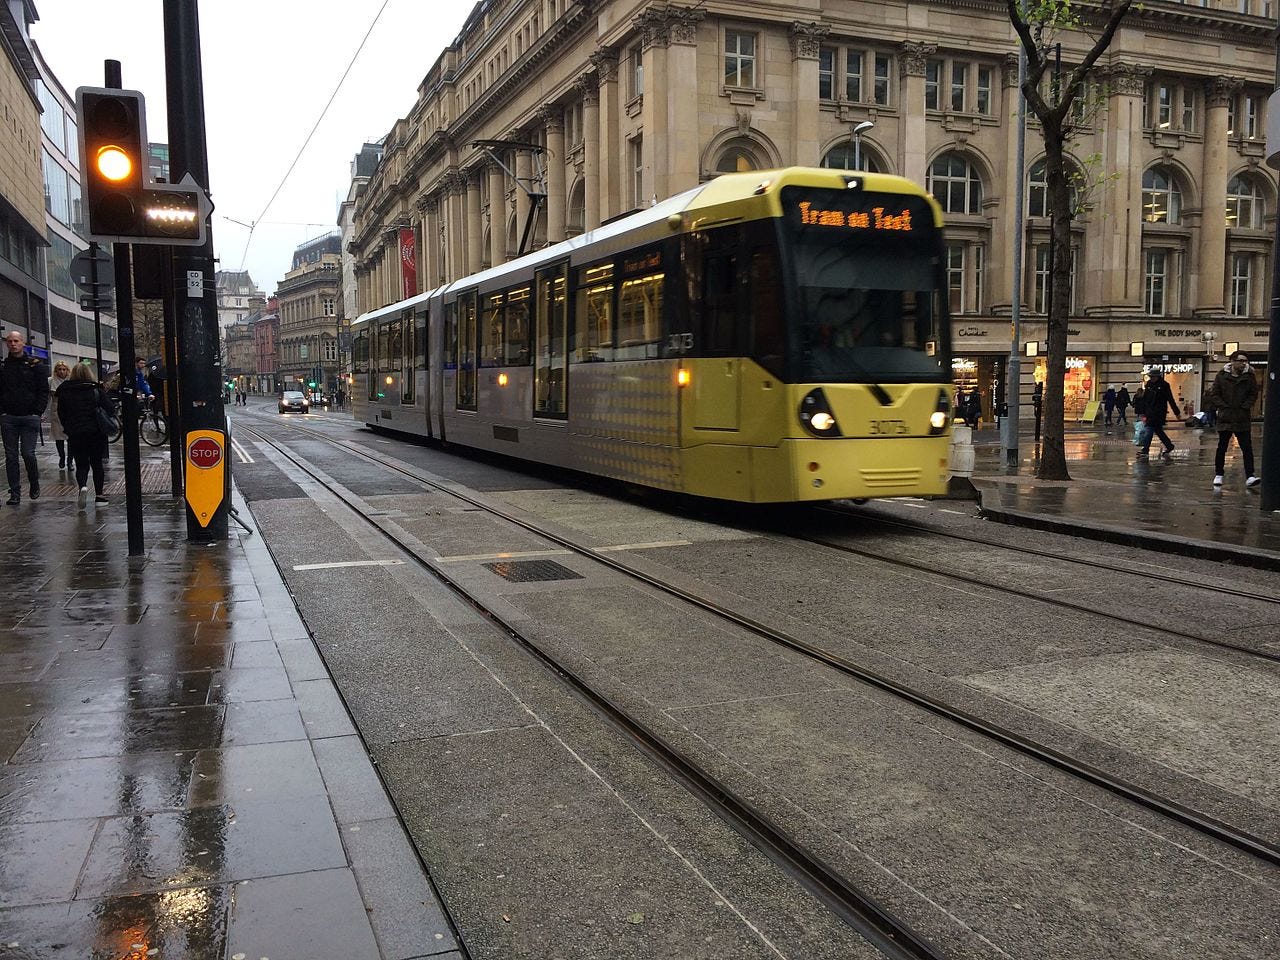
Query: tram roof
[[723, 189]]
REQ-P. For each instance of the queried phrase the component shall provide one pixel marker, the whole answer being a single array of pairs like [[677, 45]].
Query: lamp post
[[858, 130]]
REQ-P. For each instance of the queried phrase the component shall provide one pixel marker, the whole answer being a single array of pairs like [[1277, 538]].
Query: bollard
[[960, 483]]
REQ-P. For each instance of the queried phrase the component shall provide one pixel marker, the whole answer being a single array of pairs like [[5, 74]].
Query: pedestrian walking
[[973, 408], [61, 374], [1109, 405], [1122, 404], [1232, 395], [1157, 401], [79, 401], [24, 393]]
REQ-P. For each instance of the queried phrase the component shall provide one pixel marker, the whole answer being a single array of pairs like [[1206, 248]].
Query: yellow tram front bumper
[[811, 469]]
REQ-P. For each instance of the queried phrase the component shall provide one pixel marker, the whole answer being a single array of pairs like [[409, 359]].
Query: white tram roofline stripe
[[651, 545], [505, 556], [347, 563]]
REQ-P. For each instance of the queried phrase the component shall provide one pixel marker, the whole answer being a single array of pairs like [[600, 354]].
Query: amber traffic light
[[122, 203]]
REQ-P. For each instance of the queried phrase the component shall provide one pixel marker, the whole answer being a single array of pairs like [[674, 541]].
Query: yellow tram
[[765, 337]]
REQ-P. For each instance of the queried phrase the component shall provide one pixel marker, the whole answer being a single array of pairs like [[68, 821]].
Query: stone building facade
[[22, 210], [629, 101], [266, 329], [308, 334]]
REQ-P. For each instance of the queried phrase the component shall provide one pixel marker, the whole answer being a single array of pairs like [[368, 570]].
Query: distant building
[[310, 324], [266, 332], [158, 161], [236, 296], [314, 250], [71, 330], [239, 355], [23, 228], [362, 168]]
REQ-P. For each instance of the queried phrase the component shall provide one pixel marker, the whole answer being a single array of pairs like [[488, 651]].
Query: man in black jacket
[[24, 393], [1157, 401]]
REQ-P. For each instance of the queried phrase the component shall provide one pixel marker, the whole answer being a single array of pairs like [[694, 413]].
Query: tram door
[[551, 344], [716, 387]]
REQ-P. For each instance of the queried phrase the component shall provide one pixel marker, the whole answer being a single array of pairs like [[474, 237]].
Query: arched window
[[1038, 189], [1161, 198], [954, 183], [1245, 208], [575, 223], [738, 156], [841, 157]]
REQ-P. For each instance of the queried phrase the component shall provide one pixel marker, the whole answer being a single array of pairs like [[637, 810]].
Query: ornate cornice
[[552, 117], [806, 39], [664, 24], [1219, 91], [605, 62], [1125, 79], [588, 88], [913, 56]]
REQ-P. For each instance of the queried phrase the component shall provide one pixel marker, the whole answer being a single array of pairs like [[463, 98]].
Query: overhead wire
[[328, 103]]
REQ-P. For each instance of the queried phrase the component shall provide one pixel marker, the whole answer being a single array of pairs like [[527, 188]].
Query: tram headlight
[[940, 417], [816, 415]]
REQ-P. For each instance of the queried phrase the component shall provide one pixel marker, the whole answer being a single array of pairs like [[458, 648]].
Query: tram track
[[881, 928], [1153, 575], [1037, 597], [1209, 826]]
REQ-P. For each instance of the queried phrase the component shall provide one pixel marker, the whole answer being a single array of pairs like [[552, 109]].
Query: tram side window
[[769, 338], [640, 317], [552, 317], [360, 353], [719, 305], [593, 326], [394, 345], [420, 324], [374, 360], [467, 351], [517, 327], [451, 336], [492, 337], [412, 338]]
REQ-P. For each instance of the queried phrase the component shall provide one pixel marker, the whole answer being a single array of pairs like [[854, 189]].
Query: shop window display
[[1079, 384]]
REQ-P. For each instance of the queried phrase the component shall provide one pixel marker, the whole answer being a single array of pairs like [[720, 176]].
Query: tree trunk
[[1053, 454]]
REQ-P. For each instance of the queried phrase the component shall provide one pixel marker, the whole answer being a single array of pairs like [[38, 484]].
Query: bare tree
[[1037, 23]]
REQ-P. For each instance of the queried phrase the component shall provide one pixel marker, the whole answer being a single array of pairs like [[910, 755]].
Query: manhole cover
[[524, 571]]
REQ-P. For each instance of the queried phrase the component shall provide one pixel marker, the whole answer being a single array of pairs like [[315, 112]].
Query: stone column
[[1120, 246], [1007, 235], [430, 240], [913, 145], [497, 215], [524, 171], [1212, 280], [602, 120], [681, 130], [455, 237], [553, 119], [806, 42], [474, 225], [598, 186], [653, 26]]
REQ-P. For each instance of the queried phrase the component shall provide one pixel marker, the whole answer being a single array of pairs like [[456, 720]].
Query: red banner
[[408, 263]]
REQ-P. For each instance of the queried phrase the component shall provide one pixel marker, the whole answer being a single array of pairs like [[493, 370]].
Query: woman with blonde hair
[[79, 401], [61, 374]]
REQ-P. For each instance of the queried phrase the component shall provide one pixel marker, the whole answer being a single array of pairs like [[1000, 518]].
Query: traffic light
[[113, 149], [123, 204]]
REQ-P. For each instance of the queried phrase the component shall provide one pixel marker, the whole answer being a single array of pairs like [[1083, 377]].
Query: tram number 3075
[[888, 428], [680, 342]]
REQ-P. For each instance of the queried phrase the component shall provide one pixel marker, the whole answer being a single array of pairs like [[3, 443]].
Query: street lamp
[[858, 131], [1208, 337]]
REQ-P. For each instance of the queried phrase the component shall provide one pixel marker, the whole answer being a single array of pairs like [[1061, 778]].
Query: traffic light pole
[[129, 415], [200, 402]]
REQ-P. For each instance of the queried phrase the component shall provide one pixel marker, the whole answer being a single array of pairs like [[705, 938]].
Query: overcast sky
[[269, 68]]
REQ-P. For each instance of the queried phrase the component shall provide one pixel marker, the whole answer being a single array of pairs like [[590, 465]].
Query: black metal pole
[[1270, 454], [200, 400], [123, 253], [171, 385], [97, 312]]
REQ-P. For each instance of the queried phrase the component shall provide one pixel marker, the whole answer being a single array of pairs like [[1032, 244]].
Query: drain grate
[[526, 571]]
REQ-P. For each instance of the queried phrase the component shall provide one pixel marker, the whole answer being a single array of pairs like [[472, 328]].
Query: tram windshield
[[865, 275]]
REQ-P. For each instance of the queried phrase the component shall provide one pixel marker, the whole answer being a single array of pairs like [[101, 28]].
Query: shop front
[[1079, 384], [1187, 377], [984, 373]]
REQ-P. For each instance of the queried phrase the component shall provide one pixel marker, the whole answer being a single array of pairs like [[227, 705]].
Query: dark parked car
[[293, 400]]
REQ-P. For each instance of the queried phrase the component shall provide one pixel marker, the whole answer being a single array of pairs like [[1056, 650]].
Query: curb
[[1180, 546]]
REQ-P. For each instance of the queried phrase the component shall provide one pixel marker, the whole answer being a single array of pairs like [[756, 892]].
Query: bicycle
[[153, 427]]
